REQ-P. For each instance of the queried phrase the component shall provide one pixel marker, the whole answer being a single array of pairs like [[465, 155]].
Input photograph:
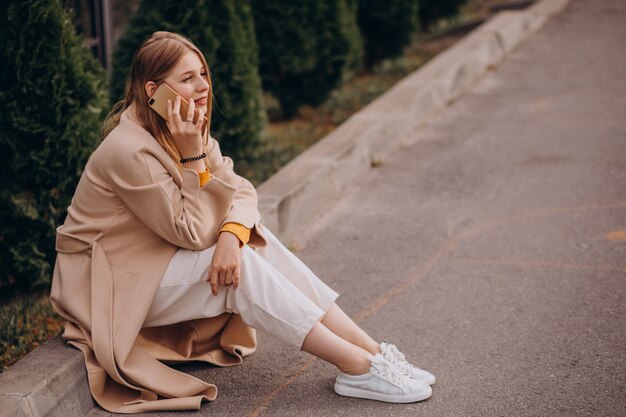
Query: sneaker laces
[[398, 357], [388, 372]]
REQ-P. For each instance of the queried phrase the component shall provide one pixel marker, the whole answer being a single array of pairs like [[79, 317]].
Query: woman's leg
[[308, 283], [265, 299], [347, 357], [342, 325]]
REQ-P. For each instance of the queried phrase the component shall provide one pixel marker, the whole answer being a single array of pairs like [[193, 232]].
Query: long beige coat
[[131, 211]]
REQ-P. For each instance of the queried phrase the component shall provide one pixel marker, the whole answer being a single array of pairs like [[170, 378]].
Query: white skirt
[[277, 292]]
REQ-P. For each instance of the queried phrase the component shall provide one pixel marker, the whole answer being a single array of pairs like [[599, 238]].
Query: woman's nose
[[203, 85]]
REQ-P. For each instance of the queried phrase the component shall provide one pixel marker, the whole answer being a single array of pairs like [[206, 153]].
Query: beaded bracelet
[[193, 158]]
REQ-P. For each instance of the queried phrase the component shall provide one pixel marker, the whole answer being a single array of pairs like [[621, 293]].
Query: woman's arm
[[239, 230], [179, 211], [244, 209]]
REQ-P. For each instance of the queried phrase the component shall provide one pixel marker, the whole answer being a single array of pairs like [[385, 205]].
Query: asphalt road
[[491, 249]]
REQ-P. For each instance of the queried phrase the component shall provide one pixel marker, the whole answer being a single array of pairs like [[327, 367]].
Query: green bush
[[356, 52], [224, 32], [306, 48], [430, 11], [53, 98], [386, 27]]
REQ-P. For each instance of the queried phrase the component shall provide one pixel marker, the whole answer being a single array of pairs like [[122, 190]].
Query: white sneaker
[[393, 355], [383, 383]]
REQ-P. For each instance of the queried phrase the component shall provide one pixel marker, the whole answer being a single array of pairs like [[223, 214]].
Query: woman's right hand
[[225, 266], [186, 134]]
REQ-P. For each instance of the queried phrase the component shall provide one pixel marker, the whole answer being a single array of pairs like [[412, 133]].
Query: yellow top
[[204, 177], [239, 230]]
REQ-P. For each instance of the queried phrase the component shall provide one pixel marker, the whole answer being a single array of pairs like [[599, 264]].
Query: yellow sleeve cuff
[[204, 177], [239, 230]]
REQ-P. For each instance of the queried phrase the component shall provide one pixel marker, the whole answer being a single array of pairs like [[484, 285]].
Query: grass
[[27, 320]]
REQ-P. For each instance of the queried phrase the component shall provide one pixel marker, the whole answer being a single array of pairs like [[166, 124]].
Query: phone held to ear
[[158, 102]]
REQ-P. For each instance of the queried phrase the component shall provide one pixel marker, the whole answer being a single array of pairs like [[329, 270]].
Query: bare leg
[[343, 326], [326, 345]]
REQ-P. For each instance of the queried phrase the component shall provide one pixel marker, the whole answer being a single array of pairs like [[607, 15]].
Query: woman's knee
[[255, 270]]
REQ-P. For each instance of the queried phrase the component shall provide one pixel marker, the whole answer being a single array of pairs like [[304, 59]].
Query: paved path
[[492, 250]]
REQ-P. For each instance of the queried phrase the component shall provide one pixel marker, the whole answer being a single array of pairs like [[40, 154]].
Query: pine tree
[[53, 101], [224, 31], [387, 27], [306, 48]]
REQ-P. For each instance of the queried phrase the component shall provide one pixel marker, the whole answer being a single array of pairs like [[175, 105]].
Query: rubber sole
[[379, 396]]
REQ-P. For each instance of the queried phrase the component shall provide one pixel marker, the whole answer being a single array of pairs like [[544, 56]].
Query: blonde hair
[[153, 61]]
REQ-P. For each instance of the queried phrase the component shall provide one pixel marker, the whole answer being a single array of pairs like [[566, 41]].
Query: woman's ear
[[150, 88]]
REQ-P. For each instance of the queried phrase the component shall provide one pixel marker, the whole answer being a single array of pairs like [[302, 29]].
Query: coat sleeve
[[181, 212], [244, 209]]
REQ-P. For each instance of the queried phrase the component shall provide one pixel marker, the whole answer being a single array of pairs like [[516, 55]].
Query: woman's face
[[189, 79]]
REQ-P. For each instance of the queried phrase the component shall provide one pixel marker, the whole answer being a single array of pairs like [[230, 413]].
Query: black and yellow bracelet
[[193, 158]]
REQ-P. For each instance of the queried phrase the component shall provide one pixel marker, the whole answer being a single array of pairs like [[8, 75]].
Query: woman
[[163, 258]]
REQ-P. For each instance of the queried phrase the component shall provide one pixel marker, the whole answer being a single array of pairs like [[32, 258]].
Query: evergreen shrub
[[306, 48], [53, 100], [387, 27], [430, 11], [224, 31]]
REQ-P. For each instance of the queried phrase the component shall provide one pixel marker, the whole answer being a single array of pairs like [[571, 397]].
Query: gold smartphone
[[158, 102]]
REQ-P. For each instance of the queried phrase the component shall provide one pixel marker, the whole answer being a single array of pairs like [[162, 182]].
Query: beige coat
[[131, 211]]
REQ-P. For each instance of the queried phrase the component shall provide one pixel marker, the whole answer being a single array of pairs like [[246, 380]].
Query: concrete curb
[[51, 381], [309, 185]]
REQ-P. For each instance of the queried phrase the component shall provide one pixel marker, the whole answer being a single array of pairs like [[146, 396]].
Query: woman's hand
[[225, 265], [186, 134]]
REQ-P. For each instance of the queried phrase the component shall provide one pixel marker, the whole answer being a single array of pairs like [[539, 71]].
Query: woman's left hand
[[225, 265]]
